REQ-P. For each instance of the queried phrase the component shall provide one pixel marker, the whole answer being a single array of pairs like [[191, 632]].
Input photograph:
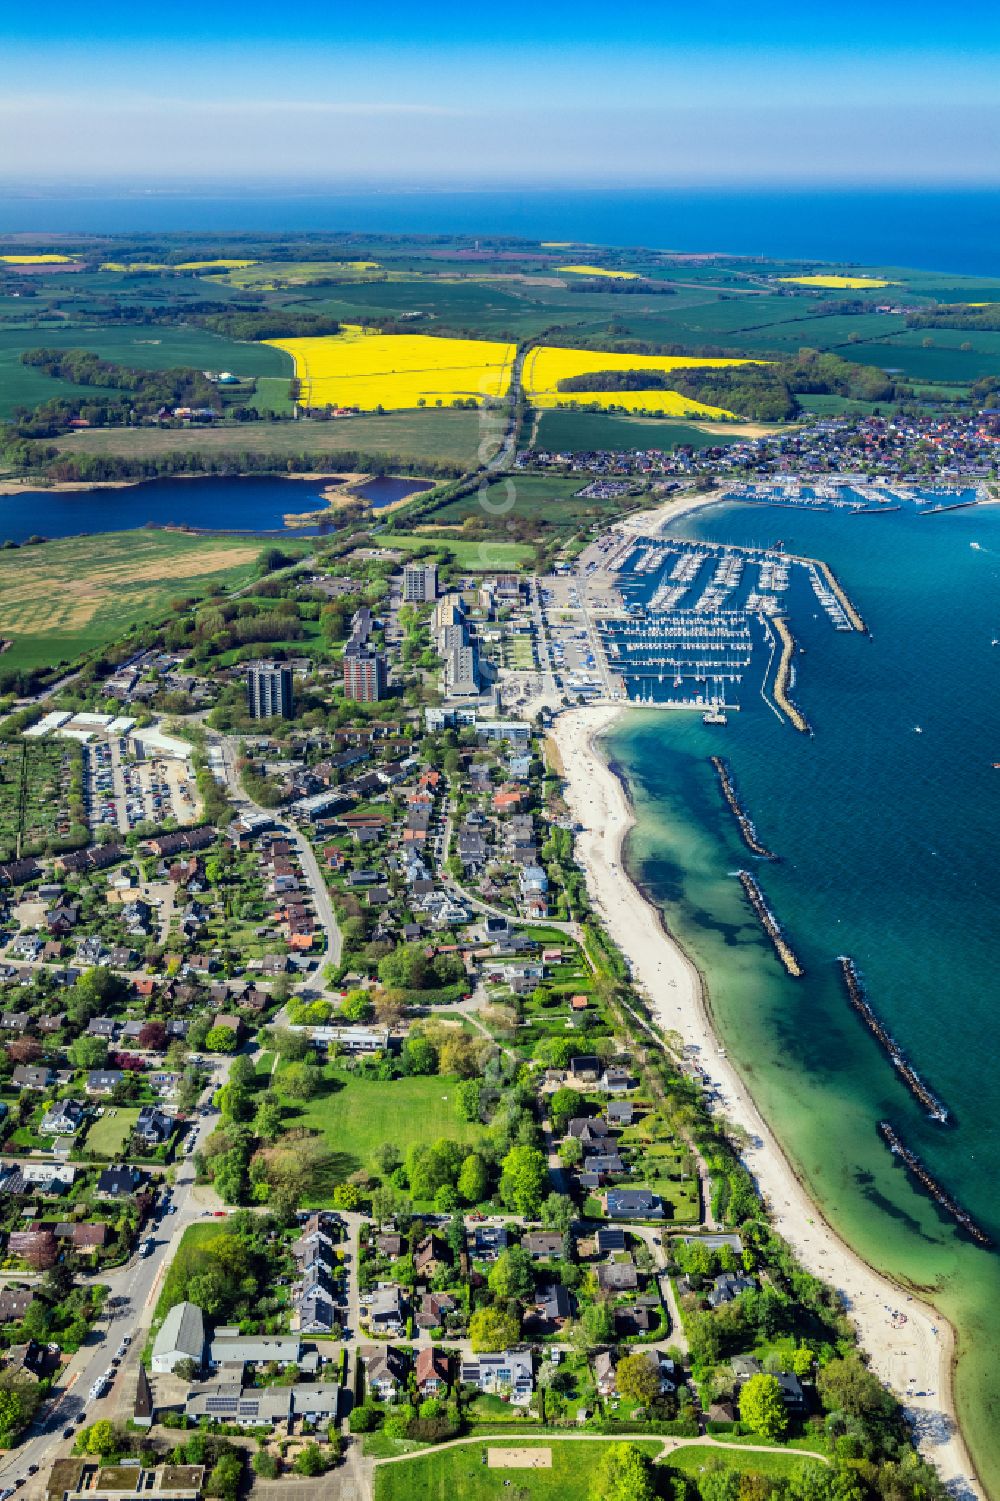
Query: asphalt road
[[128, 1310]]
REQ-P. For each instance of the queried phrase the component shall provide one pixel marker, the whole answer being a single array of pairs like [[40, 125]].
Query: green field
[[110, 1134], [356, 1115], [779, 1464], [158, 347], [411, 436], [460, 1472], [64, 597], [477, 557], [580, 432]]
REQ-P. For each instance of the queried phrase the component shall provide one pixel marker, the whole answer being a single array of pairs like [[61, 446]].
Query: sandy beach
[[915, 1356]]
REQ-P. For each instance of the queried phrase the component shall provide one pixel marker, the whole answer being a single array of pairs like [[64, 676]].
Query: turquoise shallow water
[[889, 843]]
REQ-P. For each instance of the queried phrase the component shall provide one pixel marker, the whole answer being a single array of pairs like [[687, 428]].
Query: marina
[[770, 924], [931, 1186], [678, 623], [856, 495], [861, 1004]]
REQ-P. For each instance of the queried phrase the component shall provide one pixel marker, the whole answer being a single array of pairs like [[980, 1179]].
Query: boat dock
[[931, 1186], [770, 924], [863, 1006], [743, 819]]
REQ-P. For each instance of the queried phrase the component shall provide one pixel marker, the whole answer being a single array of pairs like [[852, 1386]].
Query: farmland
[[366, 369], [411, 437], [601, 271], [837, 283], [546, 366], [564, 431], [63, 598]]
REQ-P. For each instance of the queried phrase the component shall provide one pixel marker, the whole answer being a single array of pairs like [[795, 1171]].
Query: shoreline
[[680, 1001]]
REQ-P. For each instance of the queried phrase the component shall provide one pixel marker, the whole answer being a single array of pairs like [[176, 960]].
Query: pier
[[931, 1186], [743, 819], [770, 924], [861, 1004], [783, 674]]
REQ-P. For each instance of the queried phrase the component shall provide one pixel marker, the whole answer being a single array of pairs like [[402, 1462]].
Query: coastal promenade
[[915, 1356]]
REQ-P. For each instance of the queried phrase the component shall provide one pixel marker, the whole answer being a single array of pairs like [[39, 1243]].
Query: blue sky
[[450, 93]]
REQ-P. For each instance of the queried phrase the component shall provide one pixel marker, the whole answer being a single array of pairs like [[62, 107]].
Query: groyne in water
[[782, 676], [856, 995], [931, 1186], [770, 924], [743, 819]]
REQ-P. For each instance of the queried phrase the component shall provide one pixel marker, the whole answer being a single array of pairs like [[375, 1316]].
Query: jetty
[[936, 1110], [783, 674], [770, 924], [745, 823], [931, 1186]]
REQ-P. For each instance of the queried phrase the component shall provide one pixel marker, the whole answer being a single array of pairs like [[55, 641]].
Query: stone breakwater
[[861, 1004], [931, 1186], [770, 924], [745, 823]]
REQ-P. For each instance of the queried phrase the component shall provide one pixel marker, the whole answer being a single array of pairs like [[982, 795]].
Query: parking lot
[[124, 790]]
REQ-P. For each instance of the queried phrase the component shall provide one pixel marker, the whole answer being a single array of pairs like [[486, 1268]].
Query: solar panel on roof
[[249, 1409], [221, 1404]]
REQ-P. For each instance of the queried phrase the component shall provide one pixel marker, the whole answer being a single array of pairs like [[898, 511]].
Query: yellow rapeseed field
[[838, 282], [221, 265], [547, 365], [363, 368], [601, 271], [37, 260]]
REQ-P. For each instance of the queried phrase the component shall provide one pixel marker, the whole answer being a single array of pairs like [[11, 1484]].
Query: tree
[[523, 1180], [637, 1377], [717, 1483], [511, 1275], [299, 1080], [88, 1052], [849, 1386], [290, 1046], [473, 1179], [469, 1097], [221, 1040], [347, 1196], [623, 1473], [309, 1460], [492, 1329], [153, 1037], [100, 1438], [563, 1106], [267, 1119], [357, 1006], [557, 1212], [19, 1401], [419, 1056], [762, 1408], [265, 1465]]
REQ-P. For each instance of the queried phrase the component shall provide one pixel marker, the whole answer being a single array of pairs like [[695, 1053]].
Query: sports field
[[476, 557], [62, 598], [360, 367]]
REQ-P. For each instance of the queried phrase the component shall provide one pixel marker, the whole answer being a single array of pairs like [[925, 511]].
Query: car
[[32, 1469], [67, 1433]]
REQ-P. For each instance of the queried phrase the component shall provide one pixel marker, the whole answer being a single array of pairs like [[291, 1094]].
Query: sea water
[[888, 825]]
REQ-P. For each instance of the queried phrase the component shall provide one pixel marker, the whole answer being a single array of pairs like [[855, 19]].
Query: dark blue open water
[[253, 503], [889, 844], [933, 229]]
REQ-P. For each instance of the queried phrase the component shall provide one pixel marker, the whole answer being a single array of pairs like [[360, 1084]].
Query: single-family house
[[432, 1371]]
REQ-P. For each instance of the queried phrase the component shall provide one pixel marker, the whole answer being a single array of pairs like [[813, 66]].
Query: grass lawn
[[451, 436], [779, 1465], [355, 1115], [65, 597], [477, 557], [109, 1134], [195, 1238], [460, 1471]]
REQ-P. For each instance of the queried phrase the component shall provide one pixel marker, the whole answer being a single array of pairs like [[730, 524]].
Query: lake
[[256, 503]]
